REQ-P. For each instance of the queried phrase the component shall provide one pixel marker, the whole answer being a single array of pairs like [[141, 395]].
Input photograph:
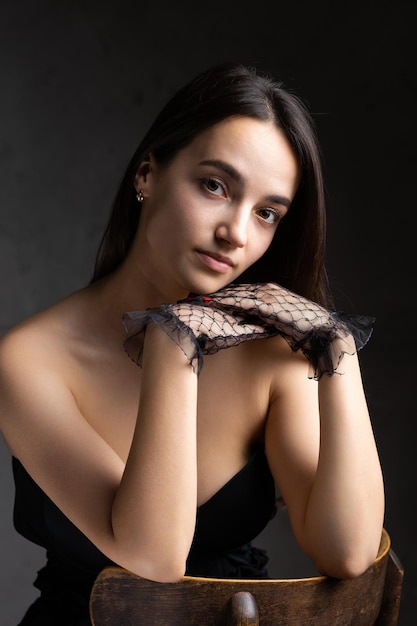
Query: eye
[[213, 186], [270, 216]]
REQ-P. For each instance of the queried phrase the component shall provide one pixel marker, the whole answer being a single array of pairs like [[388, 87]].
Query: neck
[[129, 289]]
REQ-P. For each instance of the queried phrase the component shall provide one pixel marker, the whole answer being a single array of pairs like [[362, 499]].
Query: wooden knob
[[243, 610]]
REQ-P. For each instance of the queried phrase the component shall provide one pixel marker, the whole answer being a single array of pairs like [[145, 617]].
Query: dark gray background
[[81, 81]]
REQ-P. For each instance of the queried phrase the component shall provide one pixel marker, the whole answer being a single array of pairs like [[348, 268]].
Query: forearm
[[155, 507], [345, 509]]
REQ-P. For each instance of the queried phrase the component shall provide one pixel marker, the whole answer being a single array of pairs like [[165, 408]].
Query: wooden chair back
[[120, 598]]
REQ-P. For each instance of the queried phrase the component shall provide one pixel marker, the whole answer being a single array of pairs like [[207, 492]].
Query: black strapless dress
[[226, 524]]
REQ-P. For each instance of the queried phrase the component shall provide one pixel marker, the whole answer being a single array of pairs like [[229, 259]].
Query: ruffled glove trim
[[203, 325]]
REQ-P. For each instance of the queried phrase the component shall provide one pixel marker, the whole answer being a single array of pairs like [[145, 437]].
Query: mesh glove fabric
[[205, 324]]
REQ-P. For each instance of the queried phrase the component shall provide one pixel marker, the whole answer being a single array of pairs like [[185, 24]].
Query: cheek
[[260, 245], [189, 218], [171, 226]]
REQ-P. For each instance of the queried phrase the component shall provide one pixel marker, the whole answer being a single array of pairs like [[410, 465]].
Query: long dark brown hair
[[296, 257]]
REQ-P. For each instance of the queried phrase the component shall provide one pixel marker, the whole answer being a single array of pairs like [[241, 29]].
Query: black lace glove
[[195, 325], [206, 324]]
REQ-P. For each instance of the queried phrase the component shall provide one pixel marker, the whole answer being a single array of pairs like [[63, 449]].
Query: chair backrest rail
[[122, 598]]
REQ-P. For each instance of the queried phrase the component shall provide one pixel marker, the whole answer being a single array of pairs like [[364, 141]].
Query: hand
[[197, 326], [322, 335], [203, 325], [271, 304], [213, 327]]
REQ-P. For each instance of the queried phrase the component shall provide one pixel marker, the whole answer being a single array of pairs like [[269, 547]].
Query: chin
[[209, 285]]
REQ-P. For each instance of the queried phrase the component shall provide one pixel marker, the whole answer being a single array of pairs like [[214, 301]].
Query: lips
[[215, 261]]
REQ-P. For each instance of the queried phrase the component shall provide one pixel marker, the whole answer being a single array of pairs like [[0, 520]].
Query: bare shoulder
[[37, 338], [34, 365], [276, 360], [41, 420]]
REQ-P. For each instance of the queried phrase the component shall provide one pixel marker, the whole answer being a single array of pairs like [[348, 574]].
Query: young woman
[[166, 462]]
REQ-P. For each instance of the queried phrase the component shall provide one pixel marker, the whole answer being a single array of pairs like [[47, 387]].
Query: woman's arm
[[162, 465], [323, 454], [141, 516]]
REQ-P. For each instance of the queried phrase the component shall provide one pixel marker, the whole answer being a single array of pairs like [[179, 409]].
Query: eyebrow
[[237, 177]]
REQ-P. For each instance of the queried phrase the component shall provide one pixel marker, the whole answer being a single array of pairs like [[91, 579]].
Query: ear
[[143, 175]]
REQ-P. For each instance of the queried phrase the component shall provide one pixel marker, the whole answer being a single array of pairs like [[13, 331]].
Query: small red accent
[[197, 298]]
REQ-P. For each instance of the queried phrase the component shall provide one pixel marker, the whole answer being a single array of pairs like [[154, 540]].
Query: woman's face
[[213, 210]]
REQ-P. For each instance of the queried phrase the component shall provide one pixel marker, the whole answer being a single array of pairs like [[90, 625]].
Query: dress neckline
[[258, 449]]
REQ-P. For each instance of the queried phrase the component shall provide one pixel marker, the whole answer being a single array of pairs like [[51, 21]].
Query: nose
[[234, 228]]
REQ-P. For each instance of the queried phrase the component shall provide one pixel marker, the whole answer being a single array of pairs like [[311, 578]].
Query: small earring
[[140, 196]]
